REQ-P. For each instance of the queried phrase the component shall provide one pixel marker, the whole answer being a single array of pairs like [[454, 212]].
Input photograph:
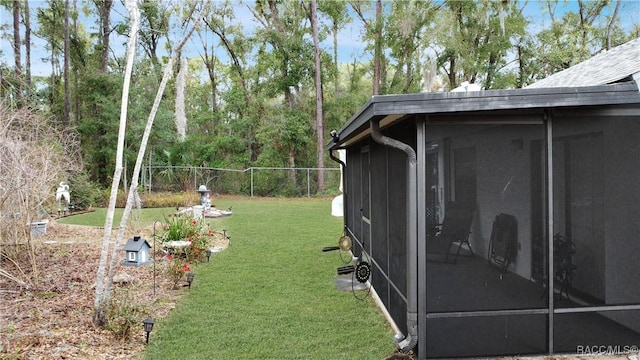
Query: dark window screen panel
[[579, 246], [397, 237], [609, 332], [366, 239], [355, 201], [596, 211], [379, 188], [364, 182], [398, 309], [365, 190], [472, 284], [486, 336], [488, 172], [381, 285], [350, 178]]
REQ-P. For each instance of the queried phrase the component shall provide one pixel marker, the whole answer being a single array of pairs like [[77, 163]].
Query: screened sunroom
[[500, 223]]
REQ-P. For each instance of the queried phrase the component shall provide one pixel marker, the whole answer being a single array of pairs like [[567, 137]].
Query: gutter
[[408, 342], [344, 188], [334, 158]]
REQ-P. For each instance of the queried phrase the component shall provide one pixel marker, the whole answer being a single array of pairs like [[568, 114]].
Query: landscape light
[[190, 276], [148, 326]]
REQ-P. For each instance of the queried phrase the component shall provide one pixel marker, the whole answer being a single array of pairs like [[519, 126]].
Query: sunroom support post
[[549, 152], [421, 129]]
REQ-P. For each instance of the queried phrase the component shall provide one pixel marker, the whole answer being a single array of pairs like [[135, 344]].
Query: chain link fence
[[253, 181]]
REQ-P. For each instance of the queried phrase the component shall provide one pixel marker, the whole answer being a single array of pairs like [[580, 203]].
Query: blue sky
[[350, 45]]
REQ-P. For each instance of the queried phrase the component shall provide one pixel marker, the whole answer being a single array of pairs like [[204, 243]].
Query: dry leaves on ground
[[52, 318]]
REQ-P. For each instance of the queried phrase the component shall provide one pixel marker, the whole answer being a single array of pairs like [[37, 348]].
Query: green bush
[[84, 193], [169, 199], [121, 199]]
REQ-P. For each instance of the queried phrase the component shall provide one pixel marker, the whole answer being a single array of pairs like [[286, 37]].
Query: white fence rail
[[261, 181]]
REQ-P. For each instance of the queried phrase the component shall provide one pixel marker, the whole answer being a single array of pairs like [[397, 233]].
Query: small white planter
[[39, 228]]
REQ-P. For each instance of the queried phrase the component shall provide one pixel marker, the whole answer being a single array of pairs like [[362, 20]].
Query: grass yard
[[139, 218], [271, 294]]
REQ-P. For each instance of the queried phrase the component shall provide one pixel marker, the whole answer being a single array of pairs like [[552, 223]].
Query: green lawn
[[141, 218], [271, 295]]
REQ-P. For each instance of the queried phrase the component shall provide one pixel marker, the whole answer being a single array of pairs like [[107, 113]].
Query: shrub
[[84, 193], [121, 199], [184, 227], [122, 314], [177, 268], [34, 156], [169, 199]]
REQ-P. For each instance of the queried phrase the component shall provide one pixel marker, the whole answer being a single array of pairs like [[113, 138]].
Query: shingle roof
[[604, 68], [133, 245]]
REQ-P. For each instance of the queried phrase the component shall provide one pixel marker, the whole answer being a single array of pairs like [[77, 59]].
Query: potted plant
[[564, 269]]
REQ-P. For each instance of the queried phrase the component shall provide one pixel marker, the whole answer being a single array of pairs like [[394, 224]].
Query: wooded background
[[246, 89]]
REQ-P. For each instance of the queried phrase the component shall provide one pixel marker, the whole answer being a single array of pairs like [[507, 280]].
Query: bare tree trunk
[[67, 92], [104, 9], [17, 47], [583, 24], [452, 73], [102, 296], [378, 49], [209, 63], [168, 70], [612, 23], [318, 81], [103, 283], [335, 58], [27, 42], [551, 9], [234, 57], [76, 102], [292, 171], [181, 84]]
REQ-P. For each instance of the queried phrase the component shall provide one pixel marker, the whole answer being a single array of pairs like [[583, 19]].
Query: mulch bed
[[52, 317]]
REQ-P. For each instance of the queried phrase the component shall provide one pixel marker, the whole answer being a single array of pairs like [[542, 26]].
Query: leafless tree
[[34, 158]]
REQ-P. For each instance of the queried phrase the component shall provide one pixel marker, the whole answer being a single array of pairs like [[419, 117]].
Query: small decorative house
[[137, 252]]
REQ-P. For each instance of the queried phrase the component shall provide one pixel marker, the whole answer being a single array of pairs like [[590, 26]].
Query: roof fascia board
[[481, 101], [623, 110]]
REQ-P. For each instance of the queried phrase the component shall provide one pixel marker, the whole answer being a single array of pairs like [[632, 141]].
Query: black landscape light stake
[[190, 276], [224, 233], [148, 326], [154, 256], [208, 252]]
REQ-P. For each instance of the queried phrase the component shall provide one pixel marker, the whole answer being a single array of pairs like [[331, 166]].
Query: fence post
[[308, 184], [251, 182]]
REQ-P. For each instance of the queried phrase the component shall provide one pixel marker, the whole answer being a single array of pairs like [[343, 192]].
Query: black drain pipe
[[334, 158], [411, 339]]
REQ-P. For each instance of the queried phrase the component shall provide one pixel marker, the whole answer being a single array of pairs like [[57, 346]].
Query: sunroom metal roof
[[389, 109]]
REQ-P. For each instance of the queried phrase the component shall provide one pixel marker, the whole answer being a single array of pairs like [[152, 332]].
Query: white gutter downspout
[[411, 339]]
